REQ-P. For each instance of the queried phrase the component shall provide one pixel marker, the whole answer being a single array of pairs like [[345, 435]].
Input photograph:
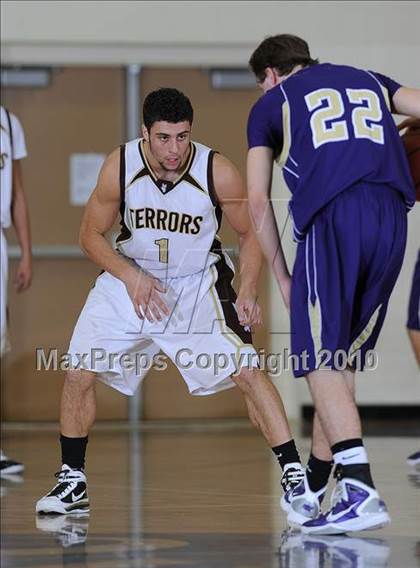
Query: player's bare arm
[[20, 217], [259, 174], [99, 216], [232, 197], [407, 101]]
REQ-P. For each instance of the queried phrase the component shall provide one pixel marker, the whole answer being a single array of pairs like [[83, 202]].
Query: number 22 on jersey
[[325, 124]]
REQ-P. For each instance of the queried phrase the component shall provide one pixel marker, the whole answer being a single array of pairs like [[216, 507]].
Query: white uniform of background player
[[169, 230], [13, 210], [8, 153]]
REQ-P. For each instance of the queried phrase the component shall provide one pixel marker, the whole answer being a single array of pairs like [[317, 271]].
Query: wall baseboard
[[385, 420]]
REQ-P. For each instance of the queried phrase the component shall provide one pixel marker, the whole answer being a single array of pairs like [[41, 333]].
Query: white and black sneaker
[[8, 466], [9, 481], [293, 474], [68, 496]]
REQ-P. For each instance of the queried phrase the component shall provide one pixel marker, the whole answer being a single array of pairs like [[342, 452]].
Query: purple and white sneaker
[[355, 507], [301, 503], [350, 551]]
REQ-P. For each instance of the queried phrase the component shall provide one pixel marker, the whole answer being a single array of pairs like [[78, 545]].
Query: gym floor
[[200, 495]]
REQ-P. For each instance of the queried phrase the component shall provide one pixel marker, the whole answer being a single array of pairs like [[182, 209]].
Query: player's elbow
[[82, 241], [407, 101], [85, 238]]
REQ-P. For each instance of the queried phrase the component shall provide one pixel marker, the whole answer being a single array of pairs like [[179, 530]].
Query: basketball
[[411, 139]]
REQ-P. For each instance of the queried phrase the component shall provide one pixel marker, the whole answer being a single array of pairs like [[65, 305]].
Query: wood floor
[[187, 495]]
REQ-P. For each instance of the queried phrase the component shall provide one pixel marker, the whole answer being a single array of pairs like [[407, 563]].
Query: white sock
[[351, 456]]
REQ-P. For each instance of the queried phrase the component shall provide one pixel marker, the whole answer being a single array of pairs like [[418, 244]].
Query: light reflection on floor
[[203, 499]]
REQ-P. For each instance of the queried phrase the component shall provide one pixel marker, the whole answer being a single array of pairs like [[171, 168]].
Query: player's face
[[169, 143]]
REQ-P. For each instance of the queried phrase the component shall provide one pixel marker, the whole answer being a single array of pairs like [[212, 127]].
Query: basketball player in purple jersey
[[330, 127]]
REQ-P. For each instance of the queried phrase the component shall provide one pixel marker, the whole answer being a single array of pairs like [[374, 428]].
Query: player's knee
[[80, 381], [247, 378]]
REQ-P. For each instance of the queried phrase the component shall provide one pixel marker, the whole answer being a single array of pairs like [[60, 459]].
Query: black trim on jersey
[[188, 178], [227, 294], [125, 232], [9, 122], [210, 178], [212, 191], [219, 214], [165, 186], [122, 173], [143, 172]]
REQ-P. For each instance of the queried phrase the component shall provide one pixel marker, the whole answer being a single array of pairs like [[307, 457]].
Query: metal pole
[[135, 403], [132, 130], [132, 101]]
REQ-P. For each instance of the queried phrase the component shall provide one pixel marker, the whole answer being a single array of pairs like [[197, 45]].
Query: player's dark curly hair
[[166, 104], [281, 52]]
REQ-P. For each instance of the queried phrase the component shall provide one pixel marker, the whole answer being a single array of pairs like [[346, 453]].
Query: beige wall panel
[[81, 111], [166, 397], [44, 318]]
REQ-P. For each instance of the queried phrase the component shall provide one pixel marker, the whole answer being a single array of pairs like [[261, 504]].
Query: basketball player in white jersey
[[13, 211], [166, 288]]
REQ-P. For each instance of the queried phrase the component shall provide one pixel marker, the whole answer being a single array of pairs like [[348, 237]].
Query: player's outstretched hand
[[248, 309], [145, 293]]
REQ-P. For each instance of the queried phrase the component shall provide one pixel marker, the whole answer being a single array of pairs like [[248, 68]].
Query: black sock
[[317, 472], [73, 451], [347, 445], [359, 471], [286, 453]]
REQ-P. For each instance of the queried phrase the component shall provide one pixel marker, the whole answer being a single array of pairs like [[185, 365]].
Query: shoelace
[[67, 474], [291, 478], [66, 477]]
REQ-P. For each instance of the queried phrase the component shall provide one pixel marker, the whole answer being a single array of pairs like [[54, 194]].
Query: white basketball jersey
[[169, 228], [9, 131]]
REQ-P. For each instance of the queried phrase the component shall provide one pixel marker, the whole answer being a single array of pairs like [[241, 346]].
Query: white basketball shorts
[[202, 335]]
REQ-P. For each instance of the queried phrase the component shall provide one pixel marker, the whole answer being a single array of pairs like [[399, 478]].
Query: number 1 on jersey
[[163, 245]]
